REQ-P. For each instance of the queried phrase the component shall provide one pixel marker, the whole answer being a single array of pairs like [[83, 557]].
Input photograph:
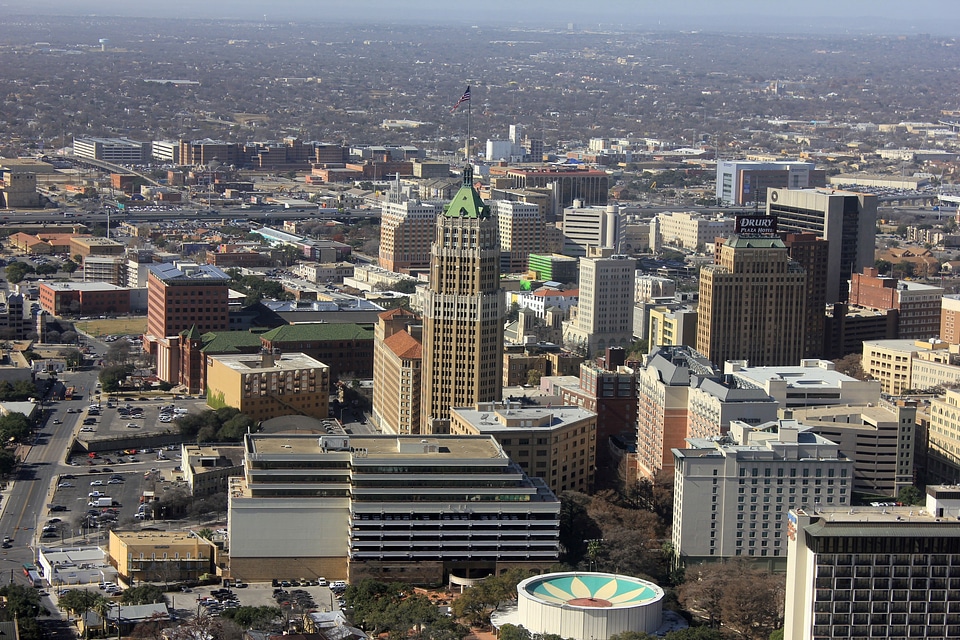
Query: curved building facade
[[582, 606]]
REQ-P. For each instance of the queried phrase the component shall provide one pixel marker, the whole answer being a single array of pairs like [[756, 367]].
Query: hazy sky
[[873, 16]]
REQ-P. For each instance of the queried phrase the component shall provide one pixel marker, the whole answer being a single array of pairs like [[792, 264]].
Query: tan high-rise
[[462, 311], [752, 304]]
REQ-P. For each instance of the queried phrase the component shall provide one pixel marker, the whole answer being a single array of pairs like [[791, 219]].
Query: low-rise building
[[206, 468], [161, 556], [84, 246], [891, 361], [83, 298], [347, 349], [266, 385]]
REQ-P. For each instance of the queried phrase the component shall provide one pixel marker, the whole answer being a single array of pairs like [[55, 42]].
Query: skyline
[[853, 16]]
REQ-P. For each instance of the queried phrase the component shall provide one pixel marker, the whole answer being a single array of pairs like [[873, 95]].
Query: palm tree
[[103, 606]]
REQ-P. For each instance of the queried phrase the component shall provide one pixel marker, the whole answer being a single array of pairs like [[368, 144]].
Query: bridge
[[113, 168]]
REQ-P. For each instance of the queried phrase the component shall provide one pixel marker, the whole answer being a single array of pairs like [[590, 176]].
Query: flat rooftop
[[861, 522], [798, 376], [538, 417], [381, 446], [82, 286], [247, 362], [159, 537]]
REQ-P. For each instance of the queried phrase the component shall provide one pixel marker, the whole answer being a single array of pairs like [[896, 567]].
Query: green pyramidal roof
[[467, 202]]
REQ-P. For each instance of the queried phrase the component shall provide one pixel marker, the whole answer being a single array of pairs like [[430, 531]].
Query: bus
[[68, 394], [30, 571]]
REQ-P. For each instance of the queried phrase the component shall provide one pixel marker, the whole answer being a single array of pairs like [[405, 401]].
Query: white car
[[88, 430], [96, 483], [64, 485], [114, 481]]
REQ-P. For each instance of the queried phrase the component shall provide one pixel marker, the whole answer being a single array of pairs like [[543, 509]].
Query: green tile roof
[[318, 332], [467, 202], [230, 341]]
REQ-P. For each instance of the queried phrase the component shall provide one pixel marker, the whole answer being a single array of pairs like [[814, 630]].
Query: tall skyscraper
[[812, 254], [752, 304], [846, 219], [406, 229], [462, 311], [603, 316]]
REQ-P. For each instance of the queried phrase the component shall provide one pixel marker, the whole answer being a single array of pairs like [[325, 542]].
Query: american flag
[[464, 98]]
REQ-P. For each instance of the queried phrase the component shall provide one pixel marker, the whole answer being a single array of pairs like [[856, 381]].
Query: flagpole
[[466, 149]]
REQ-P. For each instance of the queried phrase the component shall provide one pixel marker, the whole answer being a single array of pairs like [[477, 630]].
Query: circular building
[[583, 606]]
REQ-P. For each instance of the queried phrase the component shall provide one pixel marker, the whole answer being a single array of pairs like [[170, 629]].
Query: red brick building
[[918, 305], [84, 298]]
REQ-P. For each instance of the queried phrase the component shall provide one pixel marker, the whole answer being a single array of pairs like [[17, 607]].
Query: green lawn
[[114, 326]]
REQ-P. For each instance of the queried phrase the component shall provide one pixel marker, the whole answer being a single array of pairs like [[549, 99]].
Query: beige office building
[[943, 438], [879, 438], [752, 304], [462, 311], [891, 362], [265, 386], [406, 229], [558, 444], [603, 316], [522, 232]]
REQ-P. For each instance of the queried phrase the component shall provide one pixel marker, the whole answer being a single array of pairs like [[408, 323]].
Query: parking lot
[[301, 598], [122, 484], [133, 416]]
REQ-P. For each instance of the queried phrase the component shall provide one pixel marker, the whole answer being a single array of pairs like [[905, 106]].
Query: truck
[[104, 501]]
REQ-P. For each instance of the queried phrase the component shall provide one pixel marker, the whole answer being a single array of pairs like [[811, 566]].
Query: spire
[[467, 203]]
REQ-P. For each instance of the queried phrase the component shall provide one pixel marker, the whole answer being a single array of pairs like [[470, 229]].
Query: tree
[[741, 598], [73, 358], [851, 365], [8, 462], [477, 603], [205, 533], [144, 594], [905, 268], [46, 269], [117, 353], [69, 266], [513, 632], [14, 426], [17, 271], [910, 496], [22, 605], [113, 377], [576, 526], [533, 377], [253, 617], [77, 601]]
